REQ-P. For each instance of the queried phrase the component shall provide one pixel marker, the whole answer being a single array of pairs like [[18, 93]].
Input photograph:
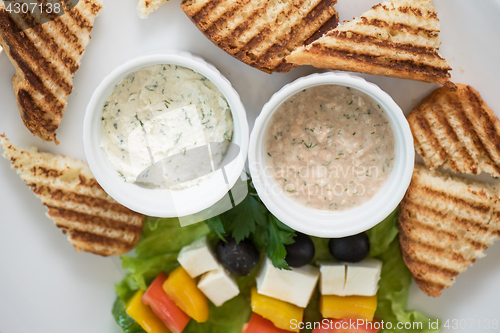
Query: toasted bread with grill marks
[[398, 38], [445, 223], [146, 7], [262, 33], [46, 58], [457, 130], [76, 203]]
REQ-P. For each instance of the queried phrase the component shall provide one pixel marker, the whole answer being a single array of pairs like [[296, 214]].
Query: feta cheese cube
[[332, 279], [295, 286], [362, 278], [198, 258], [218, 286]]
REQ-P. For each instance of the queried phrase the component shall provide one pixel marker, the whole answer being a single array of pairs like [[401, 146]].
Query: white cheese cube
[[198, 258], [218, 286], [295, 286], [362, 278], [332, 279]]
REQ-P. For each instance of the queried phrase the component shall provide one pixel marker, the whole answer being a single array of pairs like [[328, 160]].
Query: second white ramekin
[[325, 223]]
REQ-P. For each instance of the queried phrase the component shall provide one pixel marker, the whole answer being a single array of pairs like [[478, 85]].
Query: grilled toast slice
[[261, 33], [46, 58], [76, 203], [398, 38], [457, 130], [146, 7], [445, 223]]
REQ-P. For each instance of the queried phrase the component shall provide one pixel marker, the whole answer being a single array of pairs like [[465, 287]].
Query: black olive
[[350, 249], [301, 252], [239, 259]]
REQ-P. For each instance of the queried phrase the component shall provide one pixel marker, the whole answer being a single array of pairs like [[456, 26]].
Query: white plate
[[46, 287]]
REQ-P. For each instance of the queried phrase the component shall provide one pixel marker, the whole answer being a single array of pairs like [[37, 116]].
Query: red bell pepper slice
[[257, 324], [171, 315], [347, 326]]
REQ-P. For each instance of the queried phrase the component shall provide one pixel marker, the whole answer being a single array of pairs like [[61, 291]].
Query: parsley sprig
[[251, 219]]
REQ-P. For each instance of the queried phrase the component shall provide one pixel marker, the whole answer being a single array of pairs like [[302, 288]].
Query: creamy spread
[[160, 111], [330, 147]]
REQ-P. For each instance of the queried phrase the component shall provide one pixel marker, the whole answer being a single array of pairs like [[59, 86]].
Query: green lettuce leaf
[[311, 312], [160, 236], [228, 318], [321, 250], [383, 234], [395, 279], [126, 289], [143, 271], [157, 250], [393, 291], [127, 323]]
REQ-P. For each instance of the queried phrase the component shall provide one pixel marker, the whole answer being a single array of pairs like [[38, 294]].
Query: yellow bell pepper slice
[[182, 289], [144, 316], [280, 313], [352, 307]]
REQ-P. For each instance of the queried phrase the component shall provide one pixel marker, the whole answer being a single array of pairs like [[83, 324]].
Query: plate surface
[[45, 286]]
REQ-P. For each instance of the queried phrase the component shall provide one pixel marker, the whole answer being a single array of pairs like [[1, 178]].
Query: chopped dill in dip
[[160, 111], [330, 147]]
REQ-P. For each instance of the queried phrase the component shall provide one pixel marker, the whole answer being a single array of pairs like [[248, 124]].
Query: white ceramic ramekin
[[163, 202], [324, 223]]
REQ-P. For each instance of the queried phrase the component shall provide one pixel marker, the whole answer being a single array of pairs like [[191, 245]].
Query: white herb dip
[[166, 108], [330, 147]]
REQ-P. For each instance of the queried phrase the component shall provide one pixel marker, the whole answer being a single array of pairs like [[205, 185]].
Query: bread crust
[[350, 62]]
